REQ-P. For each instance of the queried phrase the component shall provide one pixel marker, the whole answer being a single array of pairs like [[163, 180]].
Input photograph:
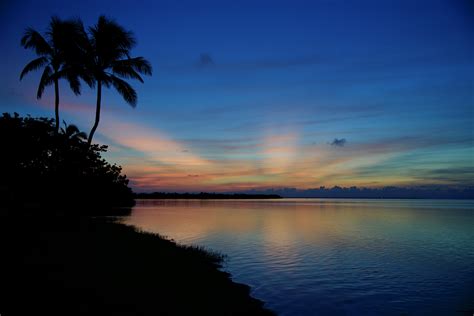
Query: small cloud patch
[[205, 60], [338, 142]]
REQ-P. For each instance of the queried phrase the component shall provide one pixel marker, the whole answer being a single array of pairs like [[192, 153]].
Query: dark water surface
[[338, 257]]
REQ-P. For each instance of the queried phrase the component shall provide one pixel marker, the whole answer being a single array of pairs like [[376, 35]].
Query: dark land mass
[[204, 196], [61, 265], [391, 192]]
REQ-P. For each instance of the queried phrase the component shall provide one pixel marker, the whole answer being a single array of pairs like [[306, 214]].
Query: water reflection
[[310, 256]]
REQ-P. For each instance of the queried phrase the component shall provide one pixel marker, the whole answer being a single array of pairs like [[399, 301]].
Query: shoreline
[[203, 196], [82, 265]]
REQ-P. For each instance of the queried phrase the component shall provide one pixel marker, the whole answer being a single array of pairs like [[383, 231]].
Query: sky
[[270, 94]]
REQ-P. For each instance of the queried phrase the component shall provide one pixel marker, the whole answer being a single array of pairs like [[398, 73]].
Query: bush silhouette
[[58, 172]]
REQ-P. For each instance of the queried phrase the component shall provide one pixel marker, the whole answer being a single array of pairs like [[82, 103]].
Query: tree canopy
[[57, 171]]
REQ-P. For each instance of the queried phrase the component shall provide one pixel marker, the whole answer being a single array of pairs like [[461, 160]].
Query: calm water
[[338, 257]]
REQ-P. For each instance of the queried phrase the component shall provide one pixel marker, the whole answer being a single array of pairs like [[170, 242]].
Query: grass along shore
[[91, 266]]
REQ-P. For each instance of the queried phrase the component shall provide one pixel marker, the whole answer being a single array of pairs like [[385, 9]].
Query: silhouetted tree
[[109, 62], [58, 56], [41, 167]]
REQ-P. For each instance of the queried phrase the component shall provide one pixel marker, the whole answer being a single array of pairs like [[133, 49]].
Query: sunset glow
[[298, 107]]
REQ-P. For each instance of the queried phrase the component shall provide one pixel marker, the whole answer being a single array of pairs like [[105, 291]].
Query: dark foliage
[[60, 265], [44, 170], [204, 196]]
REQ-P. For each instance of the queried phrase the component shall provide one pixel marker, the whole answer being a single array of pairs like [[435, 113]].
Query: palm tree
[[58, 54], [109, 62]]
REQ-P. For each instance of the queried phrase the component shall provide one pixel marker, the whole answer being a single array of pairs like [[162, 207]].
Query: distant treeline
[[204, 196], [420, 192]]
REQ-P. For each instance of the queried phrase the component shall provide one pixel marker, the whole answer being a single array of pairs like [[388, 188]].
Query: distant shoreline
[[376, 198], [245, 196], [336, 192], [204, 196]]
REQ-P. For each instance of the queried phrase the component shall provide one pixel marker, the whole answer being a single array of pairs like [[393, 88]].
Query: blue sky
[[252, 94]]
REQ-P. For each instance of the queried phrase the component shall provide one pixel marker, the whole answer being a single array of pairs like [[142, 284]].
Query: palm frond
[[33, 65], [74, 83], [110, 40], [125, 90], [71, 77], [63, 34], [45, 81], [81, 41], [34, 40], [106, 81], [142, 65], [138, 64], [68, 37], [118, 35], [126, 72], [87, 77], [54, 29]]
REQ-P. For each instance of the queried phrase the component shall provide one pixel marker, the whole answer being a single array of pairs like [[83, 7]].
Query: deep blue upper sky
[[252, 94]]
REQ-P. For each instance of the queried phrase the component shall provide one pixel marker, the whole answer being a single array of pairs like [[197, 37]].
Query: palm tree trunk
[[97, 113], [56, 104]]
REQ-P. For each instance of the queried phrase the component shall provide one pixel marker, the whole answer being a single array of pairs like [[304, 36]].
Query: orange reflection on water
[[290, 222]]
